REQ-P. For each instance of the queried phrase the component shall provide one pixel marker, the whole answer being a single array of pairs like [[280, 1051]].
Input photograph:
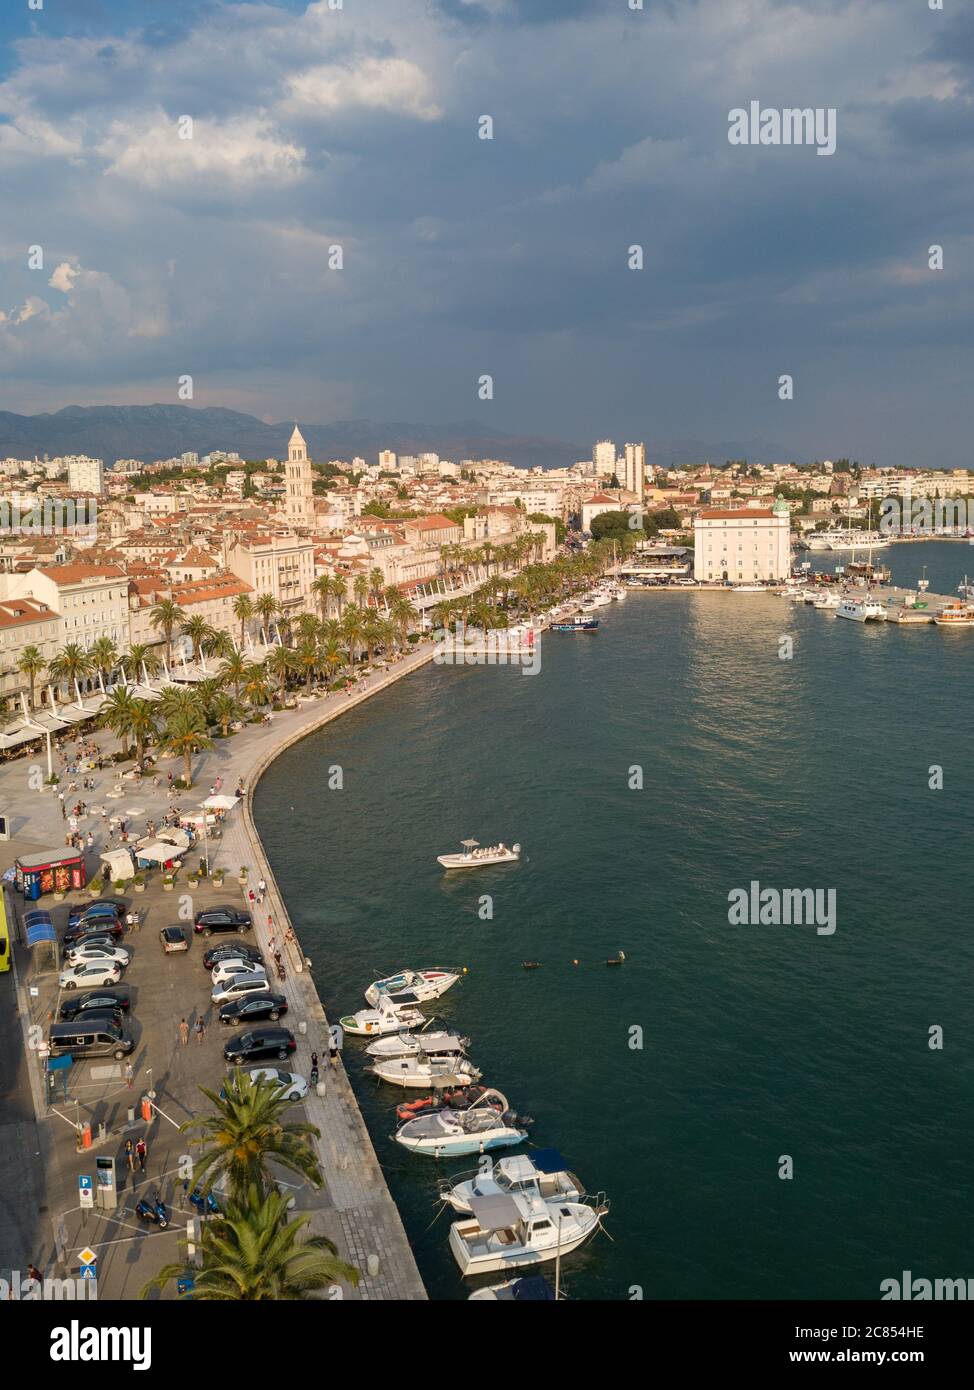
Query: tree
[[30, 664], [280, 664], [104, 656], [227, 709], [135, 659], [610, 524], [197, 629], [360, 588], [267, 607], [255, 1253], [185, 734], [118, 714], [256, 689], [234, 669], [243, 610], [332, 657], [72, 664], [352, 631], [306, 661], [165, 617], [143, 725]]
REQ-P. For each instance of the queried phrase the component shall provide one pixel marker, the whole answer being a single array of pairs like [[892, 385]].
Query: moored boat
[[506, 1232], [389, 1016], [529, 1288], [475, 857], [411, 986], [861, 610], [406, 1044], [955, 615], [543, 1174], [576, 624], [488, 1124]]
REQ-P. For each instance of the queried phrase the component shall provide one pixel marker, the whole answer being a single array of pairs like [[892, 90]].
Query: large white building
[[604, 458], [748, 545], [86, 475], [634, 469]]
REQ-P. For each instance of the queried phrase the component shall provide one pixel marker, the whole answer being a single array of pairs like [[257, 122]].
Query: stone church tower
[[299, 506]]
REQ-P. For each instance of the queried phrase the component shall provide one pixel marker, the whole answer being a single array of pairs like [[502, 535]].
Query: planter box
[[138, 887], [167, 887]]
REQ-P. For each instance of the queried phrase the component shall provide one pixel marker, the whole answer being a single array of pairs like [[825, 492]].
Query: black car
[[258, 1043], [214, 954], [97, 1000], [253, 1007], [110, 927], [97, 905], [222, 919]]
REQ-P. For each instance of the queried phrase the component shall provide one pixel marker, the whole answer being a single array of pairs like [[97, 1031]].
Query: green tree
[[165, 617], [72, 664], [117, 714], [185, 734], [30, 664], [243, 611]]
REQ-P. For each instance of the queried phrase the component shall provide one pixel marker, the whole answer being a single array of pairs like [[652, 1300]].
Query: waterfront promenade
[[353, 1207]]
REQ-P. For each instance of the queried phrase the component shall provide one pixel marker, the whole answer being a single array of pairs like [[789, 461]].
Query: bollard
[[86, 1135], [131, 1114], [303, 1027], [372, 1265], [146, 1109], [320, 1089]]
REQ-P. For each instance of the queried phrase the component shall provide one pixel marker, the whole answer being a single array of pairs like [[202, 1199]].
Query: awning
[[19, 736], [159, 852], [170, 836], [220, 802], [549, 1161], [495, 1213], [40, 928], [119, 864]]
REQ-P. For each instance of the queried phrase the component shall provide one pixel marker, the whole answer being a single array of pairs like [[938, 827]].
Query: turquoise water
[[758, 1041]]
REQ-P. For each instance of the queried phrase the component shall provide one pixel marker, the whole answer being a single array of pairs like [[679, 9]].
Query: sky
[[463, 258]]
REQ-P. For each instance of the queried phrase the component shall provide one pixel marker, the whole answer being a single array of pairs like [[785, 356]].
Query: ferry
[[861, 610], [956, 615], [846, 540], [576, 624], [475, 858]]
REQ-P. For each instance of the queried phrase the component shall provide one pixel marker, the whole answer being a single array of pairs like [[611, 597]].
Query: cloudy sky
[[359, 127]]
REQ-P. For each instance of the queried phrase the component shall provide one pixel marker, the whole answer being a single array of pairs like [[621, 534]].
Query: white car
[[76, 955], [90, 973], [292, 1086], [239, 987], [235, 965]]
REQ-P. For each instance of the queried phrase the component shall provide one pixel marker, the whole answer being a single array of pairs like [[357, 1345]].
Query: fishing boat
[[412, 986], [543, 1174], [529, 1288], [488, 1124], [474, 857], [389, 1016], [406, 1044], [861, 610], [576, 624], [438, 1069], [955, 615], [506, 1232]]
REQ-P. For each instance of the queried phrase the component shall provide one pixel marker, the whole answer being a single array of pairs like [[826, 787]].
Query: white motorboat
[[529, 1288], [861, 610], [439, 1070], [506, 1232], [543, 1174], [748, 588], [596, 599], [475, 857], [389, 1016], [846, 540], [488, 1124], [406, 1044], [827, 600], [411, 986]]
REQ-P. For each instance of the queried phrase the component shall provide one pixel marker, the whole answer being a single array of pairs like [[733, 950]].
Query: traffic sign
[[88, 1272], [86, 1190], [87, 1256]]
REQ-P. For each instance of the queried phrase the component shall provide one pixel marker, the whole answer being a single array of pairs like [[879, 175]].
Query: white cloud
[[384, 84], [239, 151], [64, 277]]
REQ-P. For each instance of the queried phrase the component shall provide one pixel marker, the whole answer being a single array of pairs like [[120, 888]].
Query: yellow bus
[[4, 934]]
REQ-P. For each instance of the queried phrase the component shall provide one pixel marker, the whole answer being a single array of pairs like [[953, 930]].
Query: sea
[[773, 1111]]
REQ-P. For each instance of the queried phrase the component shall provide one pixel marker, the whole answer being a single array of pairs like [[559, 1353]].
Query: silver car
[[239, 987]]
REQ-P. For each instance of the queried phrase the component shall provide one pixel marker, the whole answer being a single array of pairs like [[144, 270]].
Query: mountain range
[[152, 432]]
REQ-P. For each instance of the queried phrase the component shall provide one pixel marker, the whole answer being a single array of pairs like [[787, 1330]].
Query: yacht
[[596, 599], [406, 1044], [747, 588], [965, 588], [488, 1124], [475, 858], [543, 1174], [507, 1232], [412, 986], [388, 1016], [846, 540], [423, 1069], [861, 610], [956, 615]]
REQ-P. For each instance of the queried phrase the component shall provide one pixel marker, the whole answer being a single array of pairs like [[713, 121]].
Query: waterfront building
[[91, 599], [746, 545], [280, 565], [26, 622]]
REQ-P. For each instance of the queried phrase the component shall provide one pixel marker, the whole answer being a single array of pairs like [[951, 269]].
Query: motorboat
[[748, 588], [827, 599], [460, 1099], [406, 1044], [438, 1069], [506, 1232], [577, 624], [543, 1174], [389, 1016], [411, 986], [861, 610], [475, 857], [488, 1124], [529, 1288], [596, 599], [955, 615]]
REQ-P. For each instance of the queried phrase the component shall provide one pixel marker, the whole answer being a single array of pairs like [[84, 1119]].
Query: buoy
[[465, 970], [574, 962]]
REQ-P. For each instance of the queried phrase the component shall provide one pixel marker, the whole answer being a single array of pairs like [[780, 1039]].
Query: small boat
[[620, 959], [965, 588], [488, 1124], [956, 615], [412, 986], [505, 1232], [747, 588], [441, 1069], [861, 610], [460, 1099], [576, 624], [473, 857], [531, 964], [543, 1174], [406, 1044], [827, 599], [388, 1017], [530, 1288]]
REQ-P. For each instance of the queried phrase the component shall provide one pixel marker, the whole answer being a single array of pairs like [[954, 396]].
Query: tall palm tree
[[104, 657], [31, 664], [185, 734], [332, 657], [165, 617], [256, 688], [308, 627], [339, 591], [234, 670], [179, 699], [227, 709], [255, 1253], [322, 591], [371, 633], [118, 714], [135, 658], [143, 724], [376, 580], [280, 664], [360, 588], [218, 642], [352, 631], [206, 693], [266, 608], [306, 659], [71, 664], [198, 630], [243, 610]]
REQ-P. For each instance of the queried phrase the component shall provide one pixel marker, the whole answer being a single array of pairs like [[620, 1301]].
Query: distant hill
[[152, 432]]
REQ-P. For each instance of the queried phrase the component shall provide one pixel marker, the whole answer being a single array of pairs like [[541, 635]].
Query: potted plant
[[95, 888], [58, 896], [218, 877], [242, 876], [138, 883], [168, 882]]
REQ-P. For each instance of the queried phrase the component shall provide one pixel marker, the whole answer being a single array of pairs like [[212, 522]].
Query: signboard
[[88, 1260], [86, 1191]]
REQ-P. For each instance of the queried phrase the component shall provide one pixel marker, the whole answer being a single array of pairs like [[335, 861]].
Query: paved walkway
[[355, 1208]]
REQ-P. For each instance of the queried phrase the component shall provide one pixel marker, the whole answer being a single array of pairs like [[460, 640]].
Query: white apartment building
[[280, 565], [93, 600], [633, 475], [387, 460], [25, 622], [86, 475], [749, 545], [604, 458]]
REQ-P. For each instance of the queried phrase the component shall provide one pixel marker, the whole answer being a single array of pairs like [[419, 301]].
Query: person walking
[[130, 1155], [141, 1153], [129, 1075], [261, 889], [200, 1030], [183, 1032]]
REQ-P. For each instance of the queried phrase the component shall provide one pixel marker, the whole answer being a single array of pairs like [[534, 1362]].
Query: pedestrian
[[314, 1061], [91, 840], [129, 1075], [333, 1050], [34, 1273], [261, 889], [183, 1032], [141, 1153], [200, 1030], [130, 1155], [64, 814]]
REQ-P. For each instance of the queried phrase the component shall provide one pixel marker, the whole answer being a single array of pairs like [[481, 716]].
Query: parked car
[[105, 926], [258, 1043], [214, 954], [173, 939], [292, 1086], [87, 950], [107, 906], [99, 999], [222, 918], [253, 1007], [89, 1037], [90, 973], [238, 987], [235, 965]]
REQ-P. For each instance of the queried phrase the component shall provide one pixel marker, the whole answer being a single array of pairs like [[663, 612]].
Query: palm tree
[[352, 631], [72, 664], [255, 1253], [143, 724], [308, 627], [306, 660], [179, 699], [266, 608], [248, 1130], [280, 664], [198, 630], [138, 656], [104, 656], [118, 714], [322, 591], [206, 693], [371, 633], [165, 617], [339, 591], [376, 579], [332, 657], [31, 664], [234, 670], [360, 588], [185, 734], [227, 709], [243, 609], [218, 643], [256, 690]]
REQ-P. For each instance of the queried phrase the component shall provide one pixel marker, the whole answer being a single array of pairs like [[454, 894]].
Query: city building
[[299, 504], [633, 477], [604, 458], [86, 475], [747, 545]]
